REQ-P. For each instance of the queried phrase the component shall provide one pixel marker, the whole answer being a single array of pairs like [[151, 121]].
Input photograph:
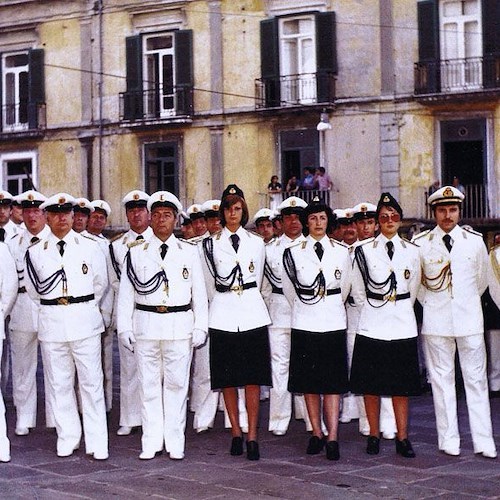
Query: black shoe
[[253, 450], [373, 445], [332, 450], [315, 445], [404, 448], [237, 446]]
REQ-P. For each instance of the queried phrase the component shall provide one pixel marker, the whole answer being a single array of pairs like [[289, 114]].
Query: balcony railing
[[457, 75], [474, 206], [156, 105], [272, 200], [295, 90], [23, 117]]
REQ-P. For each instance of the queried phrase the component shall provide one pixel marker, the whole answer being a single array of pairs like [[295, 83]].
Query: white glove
[[199, 337], [127, 340]]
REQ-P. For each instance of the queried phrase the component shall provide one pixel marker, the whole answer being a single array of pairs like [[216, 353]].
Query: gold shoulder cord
[[440, 282]]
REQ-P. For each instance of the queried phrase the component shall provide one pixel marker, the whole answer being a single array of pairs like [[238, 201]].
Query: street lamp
[[322, 127]]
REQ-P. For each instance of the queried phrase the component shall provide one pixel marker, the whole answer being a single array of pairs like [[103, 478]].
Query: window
[[22, 89], [162, 167], [298, 60], [18, 172], [159, 76]]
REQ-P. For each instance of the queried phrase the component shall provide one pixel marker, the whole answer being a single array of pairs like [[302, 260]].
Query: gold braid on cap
[[440, 282]]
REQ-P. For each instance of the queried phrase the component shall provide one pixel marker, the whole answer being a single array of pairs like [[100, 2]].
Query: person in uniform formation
[[233, 311]]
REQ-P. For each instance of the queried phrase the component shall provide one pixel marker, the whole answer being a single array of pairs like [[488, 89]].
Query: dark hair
[[228, 202], [314, 208]]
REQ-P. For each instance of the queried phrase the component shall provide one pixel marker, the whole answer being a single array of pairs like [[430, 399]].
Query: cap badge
[[1, 196], [448, 192], [30, 197], [386, 199], [215, 207], [232, 191], [195, 209], [293, 203], [81, 204], [161, 197], [135, 196], [364, 208], [316, 199], [61, 200]]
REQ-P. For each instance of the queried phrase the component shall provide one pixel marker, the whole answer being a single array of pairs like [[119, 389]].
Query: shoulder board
[[334, 242], [134, 243], [471, 231], [191, 241], [35, 243], [217, 235], [86, 236], [421, 235], [116, 238], [46, 245], [294, 245], [21, 240], [404, 240], [146, 245]]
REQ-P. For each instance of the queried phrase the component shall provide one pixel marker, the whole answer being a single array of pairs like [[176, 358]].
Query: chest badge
[[338, 274], [251, 267], [85, 269], [407, 274], [185, 273]]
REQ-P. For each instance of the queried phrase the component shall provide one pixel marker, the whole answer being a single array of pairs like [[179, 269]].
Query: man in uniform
[[68, 278], [162, 315], [135, 203], [264, 224], [454, 266], [197, 217], [24, 321], [493, 335], [81, 214], [211, 211], [280, 406]]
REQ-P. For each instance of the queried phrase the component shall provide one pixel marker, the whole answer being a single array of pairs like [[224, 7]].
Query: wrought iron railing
[[156, 104], [272, 200], [294, 90], [23, 117], [457, 75]]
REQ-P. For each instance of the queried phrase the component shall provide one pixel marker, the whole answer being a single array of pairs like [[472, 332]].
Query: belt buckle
[[391, 297], [63, 301], [237, 288], [162, 309]]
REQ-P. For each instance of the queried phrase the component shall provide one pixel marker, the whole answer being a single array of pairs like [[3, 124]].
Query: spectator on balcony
[[458, 185], [292, 185], [323, 180], [309, 182], [274, 190]]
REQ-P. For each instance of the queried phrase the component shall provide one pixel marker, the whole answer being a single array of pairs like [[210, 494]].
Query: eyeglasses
[[387, 217]]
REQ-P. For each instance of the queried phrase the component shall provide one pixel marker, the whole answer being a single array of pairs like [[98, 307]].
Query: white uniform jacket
[[388, 319], [234, 311], [24, 316], [457, 279], [186, 285], [8, 285], [494, 274], [11, 230], [84, 266], [328, 313], [278, 305]]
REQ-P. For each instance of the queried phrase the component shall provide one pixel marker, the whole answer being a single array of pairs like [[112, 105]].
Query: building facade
[[100, 97]]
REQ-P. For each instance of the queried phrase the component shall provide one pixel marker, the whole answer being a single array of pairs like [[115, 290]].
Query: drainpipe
[[99, 6]]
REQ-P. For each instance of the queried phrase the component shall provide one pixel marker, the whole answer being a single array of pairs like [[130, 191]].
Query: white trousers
[[493, 340], [130, 389], [84, 357], [203, 400], [164, 367], [440, 358], [107, 366], [4, 440]]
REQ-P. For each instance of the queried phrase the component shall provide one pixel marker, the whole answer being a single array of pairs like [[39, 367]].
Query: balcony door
[[298, 60], [461, 44], [15, 91]]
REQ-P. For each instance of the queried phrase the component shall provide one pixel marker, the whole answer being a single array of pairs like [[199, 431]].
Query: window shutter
[[184, 77], [36, 85], [491, 43], [133, 99], [326, 55], [428, 43], [269, 61]]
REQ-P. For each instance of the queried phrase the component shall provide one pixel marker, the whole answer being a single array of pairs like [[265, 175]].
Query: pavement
[[284, 470]]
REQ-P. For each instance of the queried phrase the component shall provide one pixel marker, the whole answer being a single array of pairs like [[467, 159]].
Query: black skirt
[[318, 362], [385, 367], [239, 358]]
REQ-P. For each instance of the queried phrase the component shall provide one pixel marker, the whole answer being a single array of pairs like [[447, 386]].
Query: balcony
[[458, 78], [156, 106], [23, 119], [295, 90]]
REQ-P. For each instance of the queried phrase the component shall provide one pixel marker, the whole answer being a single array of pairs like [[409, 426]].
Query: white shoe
[[124, 431], [364, 432], [176, 456], [101, 456], [148, 455], [5, 457], [22, 431], [453, 452], [65, 453], [244, 430], [279, 432], [489, 454], [345, 419], [201, 429], [389, 435]]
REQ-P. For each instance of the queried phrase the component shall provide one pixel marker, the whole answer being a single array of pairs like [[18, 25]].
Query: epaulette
[[334, 242], [471, 231], [408, 241], [303, 243], [34, 243], [134, 243], [217, 235], [116, 238], [91, 238], [190, 241], [421, 235]]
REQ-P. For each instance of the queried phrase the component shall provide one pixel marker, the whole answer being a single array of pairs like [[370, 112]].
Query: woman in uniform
[[316, 283], [238, 317]]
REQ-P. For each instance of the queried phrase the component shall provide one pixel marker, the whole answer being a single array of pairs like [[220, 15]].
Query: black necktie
[[447, 242], [2, 234], [163, 250], [318, 248], [61, 244], [140, 237], [235, 240], [390, 249], [34, 239]]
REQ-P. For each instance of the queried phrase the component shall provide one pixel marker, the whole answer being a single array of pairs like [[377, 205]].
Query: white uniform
[[23, 328], [452, 317], [130, 396], [493, 335], [70, 335], [280, 404], [8, 292], [163, 341]]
